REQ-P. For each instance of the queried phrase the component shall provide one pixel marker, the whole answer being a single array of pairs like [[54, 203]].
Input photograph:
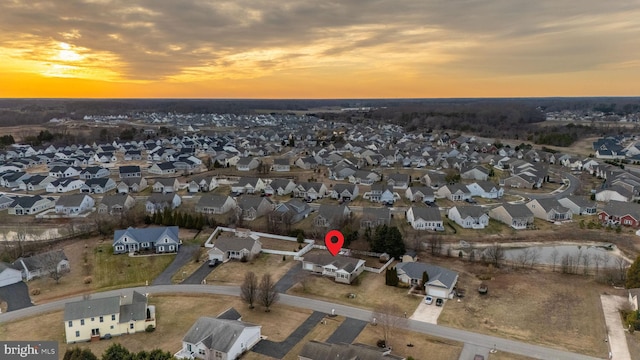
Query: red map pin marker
[[333, 241]]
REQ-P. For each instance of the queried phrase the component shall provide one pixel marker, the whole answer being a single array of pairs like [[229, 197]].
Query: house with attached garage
[[234, 247], [549, 209], [344, 192], [129, 171], [64, 171], [64, 185], [253, 207], [579, 205], [474, 172], [215, 204], [42, 264], [35, 182], [279, 187], [166, 185], [163, 168], [290, 212], [425, 218], [116, 204], [248, 185], [485, 190], [99, 318], [281, 165], [225, 337], [93, 172], [469, 217], [98, 186], [156, 239], [30, 205], [382, 193], [132, 185], [157, 202], [310, 190], [453, 192], [420, 194], [518, 216], [74, 204], [247, 164], [342, 269], [9, 275], [202, 184], [399, 181], [441, 281]]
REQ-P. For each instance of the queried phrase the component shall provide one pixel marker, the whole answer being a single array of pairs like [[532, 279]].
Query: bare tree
[[597, 259], [534, 257], [249, 288], [51, 264], [267, 293], [553, 257], [389, 316], [621, 266], [586, 262], [494, 255], [435, 245]]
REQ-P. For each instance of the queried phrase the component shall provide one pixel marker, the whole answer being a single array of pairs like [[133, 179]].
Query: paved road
[[279, 349], [348, 331], [289, 279], [184, 255], [559, 193], [512, 346], [199, 275], [16, 295]]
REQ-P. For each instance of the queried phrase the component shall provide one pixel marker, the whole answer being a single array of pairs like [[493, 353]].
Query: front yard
[[232, 272], [115, 271]]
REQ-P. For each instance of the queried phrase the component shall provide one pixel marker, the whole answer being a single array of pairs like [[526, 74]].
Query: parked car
[[470, 200], [439, 302], [428, 300]]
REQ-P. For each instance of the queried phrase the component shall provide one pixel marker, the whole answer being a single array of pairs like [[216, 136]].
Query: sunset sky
[[319, 48]]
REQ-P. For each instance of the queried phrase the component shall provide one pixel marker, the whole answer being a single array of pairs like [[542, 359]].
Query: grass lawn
[[232, 272], [367, 292], [114, 271], [436, 348], [550, 309], [275, 244]]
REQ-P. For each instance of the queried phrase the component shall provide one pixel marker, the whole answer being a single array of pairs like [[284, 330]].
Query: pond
[[32, 233], [602, 254]]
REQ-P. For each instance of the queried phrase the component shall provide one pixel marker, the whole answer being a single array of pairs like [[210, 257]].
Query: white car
[[428, 300]]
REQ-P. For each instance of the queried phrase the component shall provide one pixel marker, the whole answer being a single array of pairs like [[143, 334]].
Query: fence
[[379, 270]]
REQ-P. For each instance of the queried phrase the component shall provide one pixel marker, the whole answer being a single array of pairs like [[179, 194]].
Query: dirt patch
[[232, 272], [275, 244]]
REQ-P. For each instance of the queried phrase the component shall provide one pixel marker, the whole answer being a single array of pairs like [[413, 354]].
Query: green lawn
[[115, 271]]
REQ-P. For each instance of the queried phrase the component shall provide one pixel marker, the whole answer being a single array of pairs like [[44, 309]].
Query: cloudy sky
[[319, 49]]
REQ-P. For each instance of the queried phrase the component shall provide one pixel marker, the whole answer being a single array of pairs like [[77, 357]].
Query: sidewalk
[[617, 339]]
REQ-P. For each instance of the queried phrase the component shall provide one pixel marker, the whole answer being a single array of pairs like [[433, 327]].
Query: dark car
[[439, 302], [470, 200]]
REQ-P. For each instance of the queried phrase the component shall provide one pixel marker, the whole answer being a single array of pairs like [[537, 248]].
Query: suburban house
[[382, 193], [157, 202], [344, 192], [116, 204], [254, 207], [234, 247], [203, 184], [42, 264], [399, 181], [279, 187], [549, 209], [132, 185], [129, 171], [317, 350], [433, 179], [373, 217], [166, 185], [469, 217], [64, 185], [74, 204], [224, 337], [91, 319], [35, 182], [477, 172], [92, 172], [156, 239], [290, 212], [98, 186], [343, 269], [518, 216], [425, 218], [248, 185], [485, 190], [64, 171], [620, 213], [30, 205], [163, 168], [281, 165], [453, 192], [9, 275], [614, 193], [420, 194], [441, 281], [215, 204], [579, 205], [310, 190], [247, 164], [331, 216]]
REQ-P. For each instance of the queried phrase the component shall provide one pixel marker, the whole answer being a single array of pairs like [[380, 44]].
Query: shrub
[[381, 343], [35, 291], [150, 328], [88, 280], [244, 259]]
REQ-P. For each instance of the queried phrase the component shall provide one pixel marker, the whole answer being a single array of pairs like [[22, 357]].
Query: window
[[101, 318], [70, 323], [131, 326], [189, 347], [93, 319], [77, 333], [113, 317], [81, 321], [201, 351]]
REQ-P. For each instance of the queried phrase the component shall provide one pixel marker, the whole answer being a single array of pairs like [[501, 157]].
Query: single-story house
[[316, 350], [30, 205], [74, 204], [166, 185], [233, 247], [215, 204], [159, 202], [425, 218], [42, 264], [549, 209], [441, 281], [157, 239], [579, 205], [620, 213], [343, 269], [518, 216], [132, 185], [469, 217], [116, 204], [9, 275]]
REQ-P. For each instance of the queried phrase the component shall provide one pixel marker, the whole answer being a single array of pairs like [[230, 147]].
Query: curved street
[[467, 337]]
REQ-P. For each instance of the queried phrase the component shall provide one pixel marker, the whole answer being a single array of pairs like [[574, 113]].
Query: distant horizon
[[329, 99]]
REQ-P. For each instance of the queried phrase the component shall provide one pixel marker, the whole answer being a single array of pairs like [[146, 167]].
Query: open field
[[232, 272], [436, 348], [551, 309], [368, 292], [171, 324]]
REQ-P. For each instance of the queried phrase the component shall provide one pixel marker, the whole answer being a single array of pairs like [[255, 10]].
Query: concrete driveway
[[184, 255], [16, 295], [617, 340], [428, 313]]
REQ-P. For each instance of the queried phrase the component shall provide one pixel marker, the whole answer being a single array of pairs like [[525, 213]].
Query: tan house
[[343, 269], [234, 247]]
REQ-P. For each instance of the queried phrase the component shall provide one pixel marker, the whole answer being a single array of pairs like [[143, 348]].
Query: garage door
[[10, 276], [437, 292], [308, 266]]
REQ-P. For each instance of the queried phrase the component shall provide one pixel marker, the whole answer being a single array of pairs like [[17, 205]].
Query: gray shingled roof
[[70, 200], [213, 201], [426, 213], [218, 334], [116, 199], [471, 211], [517, 210], [621, 208], [91, 308], [552, 203], [234, 243], [436, 273], [36, 261], [341, 262]]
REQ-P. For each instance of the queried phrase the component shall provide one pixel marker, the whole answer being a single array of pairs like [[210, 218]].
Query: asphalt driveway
[[279, 349], [199, 275], [16, 295], [184, 255], [289, 279], [348, 331]]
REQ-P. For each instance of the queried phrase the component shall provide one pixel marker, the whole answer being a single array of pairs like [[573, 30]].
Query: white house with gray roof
[[90, 319], [234, 247], [42, 264], [215, 204], [156, 239], [441, 281], [469, 217], [579, 205], [425, 218], [74, 204], [549, 209], [218, 338], [518, 216], [341, 268], [30, 205]]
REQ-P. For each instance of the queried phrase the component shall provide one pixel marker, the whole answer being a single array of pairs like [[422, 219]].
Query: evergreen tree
[[633, 275], [115, 352], [425, 280], [79, 354]]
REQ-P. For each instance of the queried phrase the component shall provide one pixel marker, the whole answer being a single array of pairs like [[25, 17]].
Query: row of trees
[[170, 217], [264, 293], [117, 352]]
